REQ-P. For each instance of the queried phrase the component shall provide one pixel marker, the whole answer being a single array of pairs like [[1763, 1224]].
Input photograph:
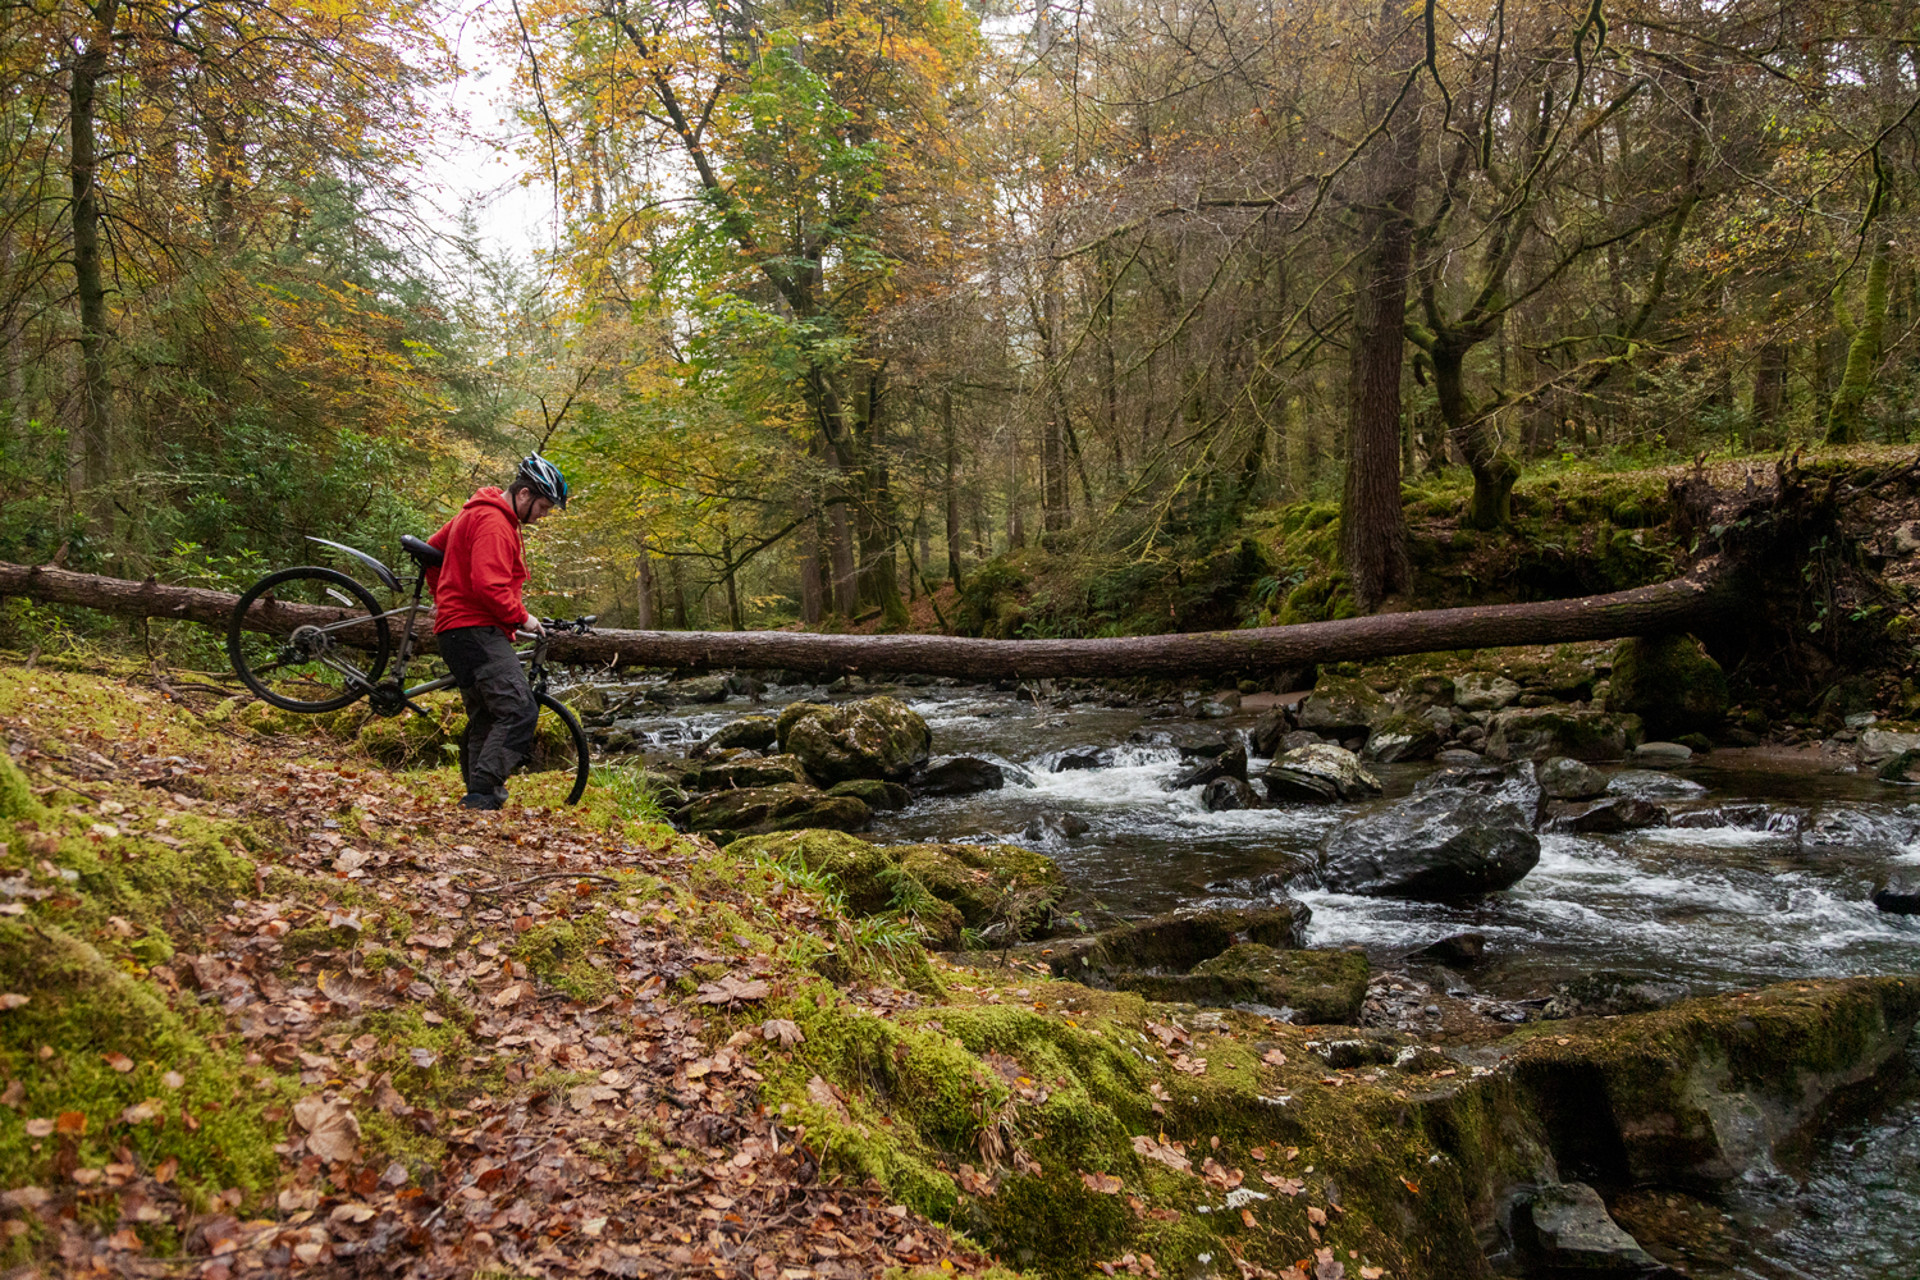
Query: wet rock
[[872, 738], [1176, 942], [740, 684], [1263, 739], [755, 732], [1199, 740], [1319, 774], [1228, 764], [1516, 784], [991, 884], [877, 793], [1343, 707], [754, 771], [1304, 986], [1608, 817], [1537, 733], [1460, 756], [1565, 1229], [1605, 993], [1064, 826], [1428, 691], [1403, 737], [587, 699], [697, 690], [1669, 682], [1223, 794], [1070, 759], [1210, 709], [1879, 743], [1564, 778], [1479, 692], [1457, 951], [1901, 770], [1742, 817], [959, 776], [1344, 1055], [1661, 755], [1898, 894], [1294, 739], [1443, 844], [1651, 785], [678, 770], [755, 810]]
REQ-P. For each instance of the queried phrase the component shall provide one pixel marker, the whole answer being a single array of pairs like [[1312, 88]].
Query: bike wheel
[[560, 749], [318, 663]]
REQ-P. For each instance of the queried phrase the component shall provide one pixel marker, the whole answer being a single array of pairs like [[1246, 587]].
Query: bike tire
[[558, 748], [296, 675]]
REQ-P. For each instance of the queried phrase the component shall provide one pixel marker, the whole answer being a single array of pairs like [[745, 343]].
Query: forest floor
[[520, 1041]]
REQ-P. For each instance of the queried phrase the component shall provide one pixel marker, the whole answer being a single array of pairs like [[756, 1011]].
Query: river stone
[[1480, 692], [587, 699], [998, 888], [1565, 1229], [755, 732], [1535, 733], [865, 872], [1440, 845], [873, 738], [1741, 817], [1403, 737], [755, 810], [678, 770], [877, 793], [1428, 692], [1063, 826], [1179, 940], [1228, 764], [1342, 708], [754, 771], [1460, 756], [1609, 817], [1073, 759], [1456, 950], [1263, 739], [1669, 682], [1649, 784], [1319, 774], [1517, 784], [1305, 986], [1661, 755], [1898, 894], [698, 689], [1604, 993], [1902, 770], [959, 776], [1195, 739], [1878, 744], [1223, 794], [1564, 778]]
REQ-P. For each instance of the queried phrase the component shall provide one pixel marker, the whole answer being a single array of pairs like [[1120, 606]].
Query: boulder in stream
[[1564, 778], [874, 738], [1898, 894], [756, 810], [1439, 845], [1565, 1229], [1319, 774], [1661, 755], [1604, 993], [753, 771], [1056, 826], [959, 776], [1517, 784], [756, 732], [1534, 733], [1456, 951], [1224, 794], [1073, 759], [1263, 739], [1403, 737], [1228, 764], [1669, 682], [1480, 691], [878, 793], [1342, 708], [1177, 941], [1298, 985], [1609, 817]]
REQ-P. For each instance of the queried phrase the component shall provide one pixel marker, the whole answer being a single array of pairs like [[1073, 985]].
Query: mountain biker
[[478, 608]]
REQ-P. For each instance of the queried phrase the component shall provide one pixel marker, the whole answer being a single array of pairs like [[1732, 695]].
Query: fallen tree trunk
[[1690, 603]]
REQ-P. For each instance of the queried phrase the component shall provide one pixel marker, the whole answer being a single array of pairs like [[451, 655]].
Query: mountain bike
[[327, 643]]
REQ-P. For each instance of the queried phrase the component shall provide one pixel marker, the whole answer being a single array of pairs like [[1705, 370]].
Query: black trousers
[[501, 712]]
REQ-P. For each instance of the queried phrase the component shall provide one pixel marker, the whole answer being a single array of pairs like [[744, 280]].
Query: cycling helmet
[[544, 479]]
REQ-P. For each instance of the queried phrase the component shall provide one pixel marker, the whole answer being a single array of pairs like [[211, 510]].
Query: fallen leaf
[[422, 1058], [1246, 1217], [173, 1080], [12, 1000], [1105, 1183], [352, 1212], [1318, 1217], [1372, 1273], [1274, 1058], [39, 1127], [442, 941], [333, 1131], [1326, 1266], [71, 1123], [1162, 1152], [1410, 1185], [827, 1096], [584, 1097], [1225, 1179], [1285, 1186], [511, 994], [141, 1112], [118, 1061], [25, 1197], [786, 1032], [731, 989]]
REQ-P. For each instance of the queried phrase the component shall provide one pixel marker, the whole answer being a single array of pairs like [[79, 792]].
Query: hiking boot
[[483, 800]]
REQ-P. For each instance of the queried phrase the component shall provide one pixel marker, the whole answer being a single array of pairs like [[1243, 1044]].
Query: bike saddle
[[425, 554]]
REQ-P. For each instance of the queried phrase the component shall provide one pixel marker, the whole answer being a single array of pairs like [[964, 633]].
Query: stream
[[1785, 894]]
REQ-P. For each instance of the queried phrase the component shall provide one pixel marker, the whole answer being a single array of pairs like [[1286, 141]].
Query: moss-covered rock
[[1318, 986], [877, 793], [1670, 683], [763, 771], [1535, 733], [1403, 737], [878, 737], [1003, 887], [1177, 941], [860, 869], [755, 732], [756, 810], [1343, 707]]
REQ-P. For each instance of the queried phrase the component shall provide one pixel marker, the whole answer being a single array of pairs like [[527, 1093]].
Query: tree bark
[[646, 586], [96, 389], [1692, 603], [952, 485], [1863, 353]]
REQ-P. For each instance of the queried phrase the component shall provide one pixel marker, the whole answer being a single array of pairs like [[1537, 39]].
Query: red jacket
[[479, 582]]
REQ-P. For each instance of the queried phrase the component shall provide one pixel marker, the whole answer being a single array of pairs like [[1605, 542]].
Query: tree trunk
[[646, 586], [1770, 385], [951, 482], [810, 578], [1692, 603], [96, 390], [1494, 470], [1863, 353]]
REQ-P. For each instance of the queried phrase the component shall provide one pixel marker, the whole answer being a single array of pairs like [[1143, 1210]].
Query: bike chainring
[[387, 698]]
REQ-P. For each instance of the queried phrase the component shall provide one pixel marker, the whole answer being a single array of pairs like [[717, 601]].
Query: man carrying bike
[[478, 608]]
